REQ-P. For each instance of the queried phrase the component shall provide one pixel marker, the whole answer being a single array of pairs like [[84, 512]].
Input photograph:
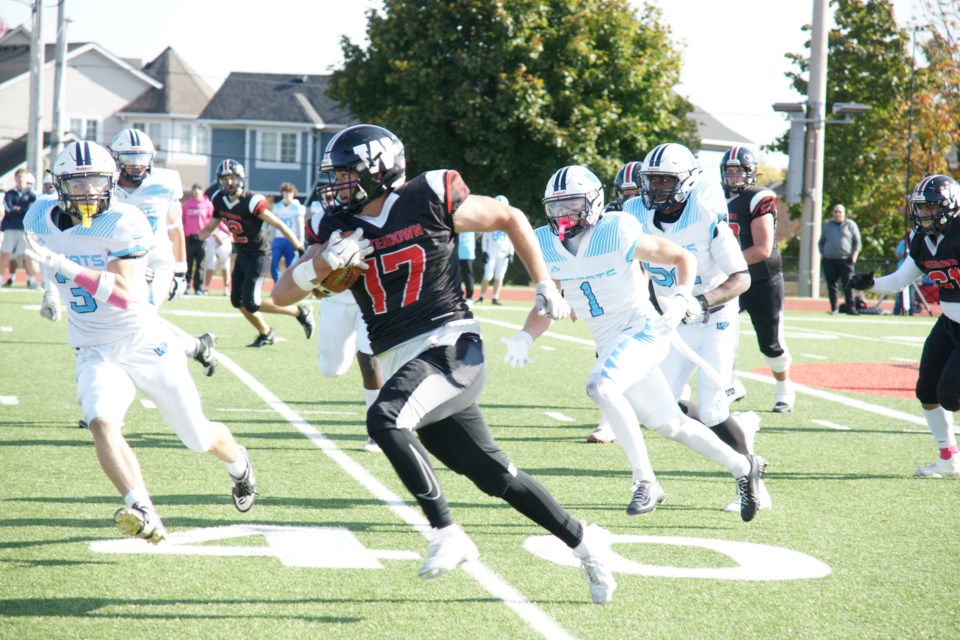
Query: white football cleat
[[591, 551], [371, 446], [449, 548], [941, 469]]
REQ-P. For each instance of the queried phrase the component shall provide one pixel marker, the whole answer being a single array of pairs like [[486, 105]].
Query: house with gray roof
[[275, 125]]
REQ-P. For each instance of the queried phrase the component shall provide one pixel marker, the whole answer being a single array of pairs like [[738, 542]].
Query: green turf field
[[854, 547]]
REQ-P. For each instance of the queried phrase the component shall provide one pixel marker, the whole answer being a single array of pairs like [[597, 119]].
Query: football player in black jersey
[[935, 251], [244, 213], [753, 217], [426, 338]]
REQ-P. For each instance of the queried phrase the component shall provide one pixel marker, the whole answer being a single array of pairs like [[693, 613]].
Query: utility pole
[[809, 284], [35, 125], [59, 80]]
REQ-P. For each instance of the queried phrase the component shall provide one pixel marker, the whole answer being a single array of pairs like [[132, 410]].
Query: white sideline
[[487, 578]]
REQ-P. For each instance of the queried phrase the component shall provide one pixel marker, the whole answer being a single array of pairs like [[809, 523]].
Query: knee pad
[[600, 388], [778, 363]]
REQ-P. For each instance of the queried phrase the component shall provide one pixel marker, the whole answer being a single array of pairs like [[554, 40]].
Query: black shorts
[[247, 278], [938, 381]]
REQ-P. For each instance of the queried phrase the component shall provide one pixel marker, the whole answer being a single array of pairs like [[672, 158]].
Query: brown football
[[340, 279]]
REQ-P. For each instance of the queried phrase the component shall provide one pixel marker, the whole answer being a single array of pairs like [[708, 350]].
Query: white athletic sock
[[370, 396], [622, 419], [138, 497], [697, 436], [940, 422]]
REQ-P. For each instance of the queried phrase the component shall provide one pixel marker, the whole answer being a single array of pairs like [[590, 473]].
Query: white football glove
[[52, 261], [178, 285], [518, 348], [347, 252], [50, 306], [549, 301], [696, 308], [676, 309]]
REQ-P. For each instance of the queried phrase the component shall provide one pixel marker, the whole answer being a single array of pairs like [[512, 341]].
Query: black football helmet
[[231, 168], [627, 183], [373, 157], [738, 157], [935, 203]]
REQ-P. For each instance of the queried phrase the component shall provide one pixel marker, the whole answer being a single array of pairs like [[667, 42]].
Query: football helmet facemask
[[235, 176], [671, 160], [573, 201], [627, 183], [363, 162], [935, 203], [134, 151], [738, 158], [85, 175]]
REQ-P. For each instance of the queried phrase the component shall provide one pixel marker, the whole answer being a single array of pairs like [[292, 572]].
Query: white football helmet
[[85, 175], [669, 159], [133, 150], [573, 200]]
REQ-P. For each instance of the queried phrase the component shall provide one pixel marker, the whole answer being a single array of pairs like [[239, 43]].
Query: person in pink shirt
[[197, 211]]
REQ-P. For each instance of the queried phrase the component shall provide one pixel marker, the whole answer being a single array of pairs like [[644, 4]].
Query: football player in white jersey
[[595, 259], [341, 331], [157, 193], [497, 253], [675, 203], [121, 344]]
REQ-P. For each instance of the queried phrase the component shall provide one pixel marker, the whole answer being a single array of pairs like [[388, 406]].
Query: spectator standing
[[467, 253], [244, 213], [16, 201], [497, 253], [219, 250], [291, 213], [839, 248], [197, 211]]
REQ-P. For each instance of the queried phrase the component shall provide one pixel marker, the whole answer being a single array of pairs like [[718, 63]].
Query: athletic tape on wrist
[[304, 275]]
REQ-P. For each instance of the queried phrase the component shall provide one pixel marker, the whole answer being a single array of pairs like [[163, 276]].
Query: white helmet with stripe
[[573, 200], [85, 175], [668, 160], [133, 150]]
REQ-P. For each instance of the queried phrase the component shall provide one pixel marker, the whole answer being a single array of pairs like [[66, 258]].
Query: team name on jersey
[[93, 261], [939, 264], [397, 237]]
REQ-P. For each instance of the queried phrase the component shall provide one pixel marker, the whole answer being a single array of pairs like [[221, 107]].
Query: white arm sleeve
[[899, 279]]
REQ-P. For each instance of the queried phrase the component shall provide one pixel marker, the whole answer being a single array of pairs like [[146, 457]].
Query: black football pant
[[939, 378], [435, 394], [763, 302], [837, 272]]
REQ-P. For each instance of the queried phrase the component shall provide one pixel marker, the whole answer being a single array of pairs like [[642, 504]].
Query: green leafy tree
[[867, 61], [508, 91]]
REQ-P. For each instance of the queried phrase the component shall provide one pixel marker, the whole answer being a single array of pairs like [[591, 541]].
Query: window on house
[[278, 147], [85, 129], [185, 142]]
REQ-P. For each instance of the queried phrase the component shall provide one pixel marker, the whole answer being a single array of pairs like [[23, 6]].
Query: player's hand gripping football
[[347, 251]]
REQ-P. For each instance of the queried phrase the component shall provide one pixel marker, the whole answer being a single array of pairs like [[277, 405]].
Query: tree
[[508, 91], [867, 62]]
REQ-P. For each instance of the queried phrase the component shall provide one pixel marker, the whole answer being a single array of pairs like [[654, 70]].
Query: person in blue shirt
[[16, 201]]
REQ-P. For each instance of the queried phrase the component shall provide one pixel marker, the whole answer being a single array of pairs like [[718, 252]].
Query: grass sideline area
[[854, 547]]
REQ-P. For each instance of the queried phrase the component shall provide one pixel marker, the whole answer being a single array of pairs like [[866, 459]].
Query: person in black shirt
[[404, 238], [244, 213]]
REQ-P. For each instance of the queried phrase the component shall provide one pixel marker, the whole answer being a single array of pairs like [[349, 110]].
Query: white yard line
[[530, 613]]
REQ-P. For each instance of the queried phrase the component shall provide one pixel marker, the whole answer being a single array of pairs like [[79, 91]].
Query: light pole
[[806, 168]]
